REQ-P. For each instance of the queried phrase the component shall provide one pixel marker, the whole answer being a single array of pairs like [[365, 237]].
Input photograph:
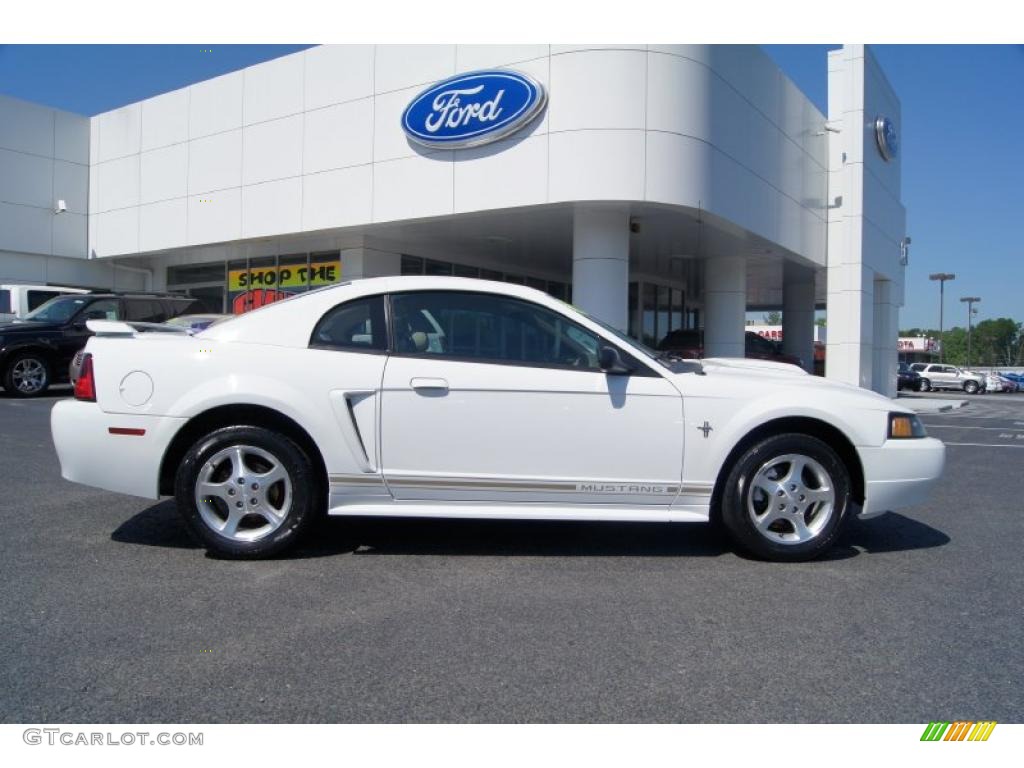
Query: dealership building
[[656, 187]]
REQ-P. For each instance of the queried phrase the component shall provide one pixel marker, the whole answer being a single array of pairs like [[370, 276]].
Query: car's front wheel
[[786, 498], [970, 387], [247, 492], [27, 375]]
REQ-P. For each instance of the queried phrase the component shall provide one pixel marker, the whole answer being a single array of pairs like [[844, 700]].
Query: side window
[[145, 311], [103, 309], [5, 301], [356, 325], [490, 328]]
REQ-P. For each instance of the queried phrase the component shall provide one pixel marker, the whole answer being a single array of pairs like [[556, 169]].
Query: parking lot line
[[986, 445]]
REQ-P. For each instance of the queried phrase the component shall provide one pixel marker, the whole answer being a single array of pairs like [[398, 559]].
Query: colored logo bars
[[961, 730]]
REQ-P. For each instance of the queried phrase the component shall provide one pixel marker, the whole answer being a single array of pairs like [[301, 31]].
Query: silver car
[[935, 376]]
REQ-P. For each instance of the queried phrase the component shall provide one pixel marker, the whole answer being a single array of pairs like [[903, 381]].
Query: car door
[[487, 397]]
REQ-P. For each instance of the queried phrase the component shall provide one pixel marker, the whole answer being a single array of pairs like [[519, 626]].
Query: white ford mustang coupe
[[449, 397]]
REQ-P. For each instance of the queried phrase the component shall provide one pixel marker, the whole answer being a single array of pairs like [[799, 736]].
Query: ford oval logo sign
[[473, 109]]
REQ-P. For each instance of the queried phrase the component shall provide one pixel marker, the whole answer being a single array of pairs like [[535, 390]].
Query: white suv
[[936, 376]]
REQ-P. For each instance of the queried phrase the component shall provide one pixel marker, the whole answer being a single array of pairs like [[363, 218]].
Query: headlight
[[904, 426]]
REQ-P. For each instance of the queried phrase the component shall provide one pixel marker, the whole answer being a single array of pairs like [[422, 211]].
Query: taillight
[[85, 386]]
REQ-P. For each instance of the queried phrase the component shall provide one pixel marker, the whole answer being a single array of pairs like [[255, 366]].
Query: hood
[[765, 377], [26, 326]]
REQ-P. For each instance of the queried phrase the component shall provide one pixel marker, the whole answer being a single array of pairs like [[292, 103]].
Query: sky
[[963, 116]]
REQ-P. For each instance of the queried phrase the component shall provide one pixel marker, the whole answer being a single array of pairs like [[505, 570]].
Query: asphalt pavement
[[109, 612]]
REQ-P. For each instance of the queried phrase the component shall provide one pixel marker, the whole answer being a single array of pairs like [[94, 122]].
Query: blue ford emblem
[[885, 137], [473, 109]]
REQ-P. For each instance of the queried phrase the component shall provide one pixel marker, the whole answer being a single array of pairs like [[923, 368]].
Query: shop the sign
[[298, 276], [472, 109]]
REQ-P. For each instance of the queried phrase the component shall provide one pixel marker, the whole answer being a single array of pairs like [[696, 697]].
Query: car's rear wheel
[[27, 375], [924, 386], [247, 492], [786, 498], [970, 387]]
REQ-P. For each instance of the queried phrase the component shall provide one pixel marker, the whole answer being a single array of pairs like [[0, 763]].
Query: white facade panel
[[117, 184], [272, 150], [26, 179], [596, 165], [339, 198], [510, 173], [272, 207], [215, 105], [69, 234], [674, 86], [389, 140], [598, 89], [338, 73], [215, 216], [117, 231], [164, 174], [120, 132], [401, 66], [70, 137], [70, 184], [679, 169], [215, 162], [26, 127], [163, 224], [413, 188], [470, 57], [273, 89], [338, 136], [27, 229], [165, 119]]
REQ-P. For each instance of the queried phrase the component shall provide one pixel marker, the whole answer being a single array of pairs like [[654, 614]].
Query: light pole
[[942, 277], [970, 301]]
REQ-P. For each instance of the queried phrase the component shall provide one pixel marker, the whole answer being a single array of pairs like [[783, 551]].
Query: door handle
[[435, 385]]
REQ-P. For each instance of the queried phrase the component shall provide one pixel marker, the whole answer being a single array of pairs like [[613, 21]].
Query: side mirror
[[609, 360]]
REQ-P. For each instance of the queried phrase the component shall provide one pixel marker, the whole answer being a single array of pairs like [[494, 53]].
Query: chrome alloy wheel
[[28, 375], [243, 493], [791, 499]]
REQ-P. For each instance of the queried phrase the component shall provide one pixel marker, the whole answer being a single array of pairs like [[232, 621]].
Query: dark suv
[[35, 352], [689, 344]]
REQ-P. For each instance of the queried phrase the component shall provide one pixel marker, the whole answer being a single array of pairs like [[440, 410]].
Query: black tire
[[205, 460], [924, 386], [27, 375], [740, 496], [971, 387]]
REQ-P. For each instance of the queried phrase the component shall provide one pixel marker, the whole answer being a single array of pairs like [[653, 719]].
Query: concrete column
[[600, 263], [885, 329], [725, 306], [798, 313], [850, 351]]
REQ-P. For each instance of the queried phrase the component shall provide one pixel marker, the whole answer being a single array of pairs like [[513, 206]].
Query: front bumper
[[124, 463], [900, 473]]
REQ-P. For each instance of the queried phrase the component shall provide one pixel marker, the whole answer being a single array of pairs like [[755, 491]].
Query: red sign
[[254, 299]]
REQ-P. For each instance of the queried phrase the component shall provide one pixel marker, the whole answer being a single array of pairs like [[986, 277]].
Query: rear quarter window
[[5, 301], [38, 298]]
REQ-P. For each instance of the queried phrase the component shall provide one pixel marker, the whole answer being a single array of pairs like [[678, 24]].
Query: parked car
[[36, 352], [16, 300], [907, 378], [938, 376], [996, 382], [1016, 377], [448, 397], [689, 344]]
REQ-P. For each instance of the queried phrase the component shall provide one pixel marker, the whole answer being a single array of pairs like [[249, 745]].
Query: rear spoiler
[[121, 328]]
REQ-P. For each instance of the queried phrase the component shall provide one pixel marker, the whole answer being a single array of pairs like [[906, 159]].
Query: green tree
[[772, 318]]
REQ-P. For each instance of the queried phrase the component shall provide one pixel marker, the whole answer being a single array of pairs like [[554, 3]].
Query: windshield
[[58, 310], [629, 340]]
